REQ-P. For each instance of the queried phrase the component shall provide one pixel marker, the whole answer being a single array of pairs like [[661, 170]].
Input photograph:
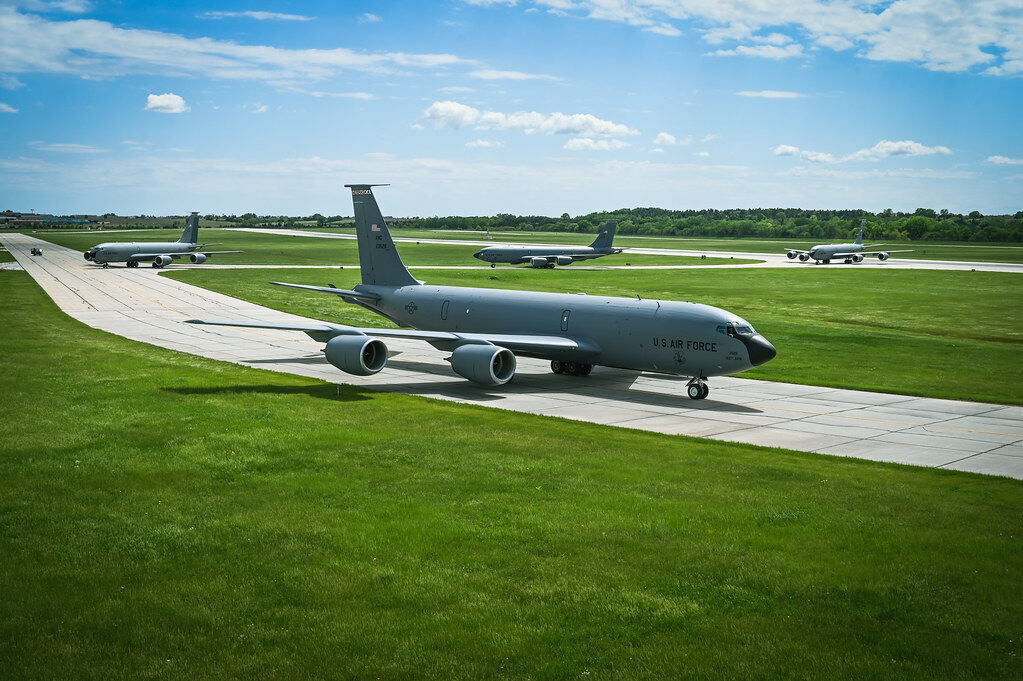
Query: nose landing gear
[[697, 389]]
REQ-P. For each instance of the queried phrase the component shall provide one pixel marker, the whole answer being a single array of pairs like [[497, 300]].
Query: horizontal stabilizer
[[345, 293]]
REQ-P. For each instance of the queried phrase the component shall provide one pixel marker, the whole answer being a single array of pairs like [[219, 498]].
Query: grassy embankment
[[273, 249], [937, 334], [167, 516]]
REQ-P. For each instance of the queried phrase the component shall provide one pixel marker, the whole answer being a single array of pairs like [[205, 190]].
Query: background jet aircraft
[[484, 328], [549, 256], [851, 253], [161, 253]]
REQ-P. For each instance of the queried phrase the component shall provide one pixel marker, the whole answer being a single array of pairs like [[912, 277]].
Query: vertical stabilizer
[[191, 233], [859, 237], [378, 259], [606, 236]]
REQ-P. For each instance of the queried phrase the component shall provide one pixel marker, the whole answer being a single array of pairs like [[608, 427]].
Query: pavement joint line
[[876, 420]]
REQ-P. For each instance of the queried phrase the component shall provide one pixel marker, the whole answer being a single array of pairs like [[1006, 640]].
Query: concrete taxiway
[[142, 305]]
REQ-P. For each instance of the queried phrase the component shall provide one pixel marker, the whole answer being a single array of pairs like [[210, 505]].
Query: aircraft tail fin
[[606, 237], [191, 233], [859, 237], [378, 258]]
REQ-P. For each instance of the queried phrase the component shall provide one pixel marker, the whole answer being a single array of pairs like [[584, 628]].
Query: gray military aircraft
[[851, 253], [484, 329], [549, 256], [161, 253]]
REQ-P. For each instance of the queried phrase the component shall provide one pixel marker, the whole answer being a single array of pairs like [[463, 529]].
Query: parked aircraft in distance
[[851, 253], [161, 253], [549, 256], [484, 329]]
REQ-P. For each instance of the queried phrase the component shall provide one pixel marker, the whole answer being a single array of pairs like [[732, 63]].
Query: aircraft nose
[[478, 255], [760, 350]]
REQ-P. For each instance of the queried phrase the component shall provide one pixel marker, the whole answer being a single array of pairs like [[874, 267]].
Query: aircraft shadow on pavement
[[307, 359], [323, 390]]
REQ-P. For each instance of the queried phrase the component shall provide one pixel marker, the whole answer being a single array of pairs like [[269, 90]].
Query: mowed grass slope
[[956, 335], [282, 249], [167, 516]]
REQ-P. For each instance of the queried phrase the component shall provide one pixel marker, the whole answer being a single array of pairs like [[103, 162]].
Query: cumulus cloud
[[588, 144], [881, 150], [259, 16], [368, 18], [940, 35], [770, 94], [97, 49], [494, 74], [484, 144], [7, 108], [665, 139], [456, 115], [1004, 161], [168, 102]]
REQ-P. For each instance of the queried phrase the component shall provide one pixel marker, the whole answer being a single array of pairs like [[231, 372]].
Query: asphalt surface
[[140, 304]]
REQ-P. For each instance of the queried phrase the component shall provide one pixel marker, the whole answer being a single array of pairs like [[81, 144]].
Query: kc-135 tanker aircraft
[[546, 257], [825, 253], [484, 329], [161, 253]]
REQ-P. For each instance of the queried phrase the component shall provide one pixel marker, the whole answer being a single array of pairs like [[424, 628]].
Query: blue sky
[[534, 107]]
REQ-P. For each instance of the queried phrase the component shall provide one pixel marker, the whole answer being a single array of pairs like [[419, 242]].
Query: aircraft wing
[[344, 293], [324, 332], [795, 250], [876, 252], [179, 254]]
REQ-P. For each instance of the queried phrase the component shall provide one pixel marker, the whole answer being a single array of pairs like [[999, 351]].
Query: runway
[[141, 305], [765, 259]]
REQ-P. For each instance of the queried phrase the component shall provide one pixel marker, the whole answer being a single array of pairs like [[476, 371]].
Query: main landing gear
[[493, 264], [132, 263], [697, 389], [571, 368], [106, 265]]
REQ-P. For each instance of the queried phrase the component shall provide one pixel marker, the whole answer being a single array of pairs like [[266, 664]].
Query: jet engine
[[197, 258], [483, 364], [564, 260], [162, 261], [792, 255], [89, 255], [538, 262], [803, 257], [882, 256], [857, 258], [359, 355]]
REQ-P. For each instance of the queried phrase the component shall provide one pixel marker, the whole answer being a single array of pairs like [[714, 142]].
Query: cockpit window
[[734, 329], [745, 330]]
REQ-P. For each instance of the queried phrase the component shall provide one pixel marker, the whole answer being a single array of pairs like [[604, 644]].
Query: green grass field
[[5, 256], [938, 334], [273, 249], [166, 516], [924, 250]]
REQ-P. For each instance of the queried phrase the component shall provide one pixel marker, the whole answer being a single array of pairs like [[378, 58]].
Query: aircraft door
[[444, 309], [564, 319]]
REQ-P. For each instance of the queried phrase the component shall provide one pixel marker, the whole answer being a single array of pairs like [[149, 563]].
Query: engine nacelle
[[803, 257], [197, 258], [564, 260], [792, 255], [89, 255], [538, 262], [359, 355], [857, 258], [484, 364], [162, 261], [882, 256]]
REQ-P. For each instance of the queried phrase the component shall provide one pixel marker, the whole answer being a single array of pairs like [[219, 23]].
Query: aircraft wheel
[[156, 265], [557, 366], [493, 264], [571, 368], [848, 261], [695, 391], [106, 265], [826, 262], [585, 369], [706, 390]]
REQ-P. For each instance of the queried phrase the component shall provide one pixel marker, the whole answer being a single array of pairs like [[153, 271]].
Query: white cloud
[[494, 74], [67, 148], [771, 94], [455, 89], [665, 139], [704, 154], [455, 115], [166, 103], [260, 16], [7, 108], [710, 137], [337, 95], [98, 49], [1004, 161], [763, 51], [881, 150], [664, 29], [587, 144], [368, 18], [484, 144], [940, 35], [256, 107], [9, 82]]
